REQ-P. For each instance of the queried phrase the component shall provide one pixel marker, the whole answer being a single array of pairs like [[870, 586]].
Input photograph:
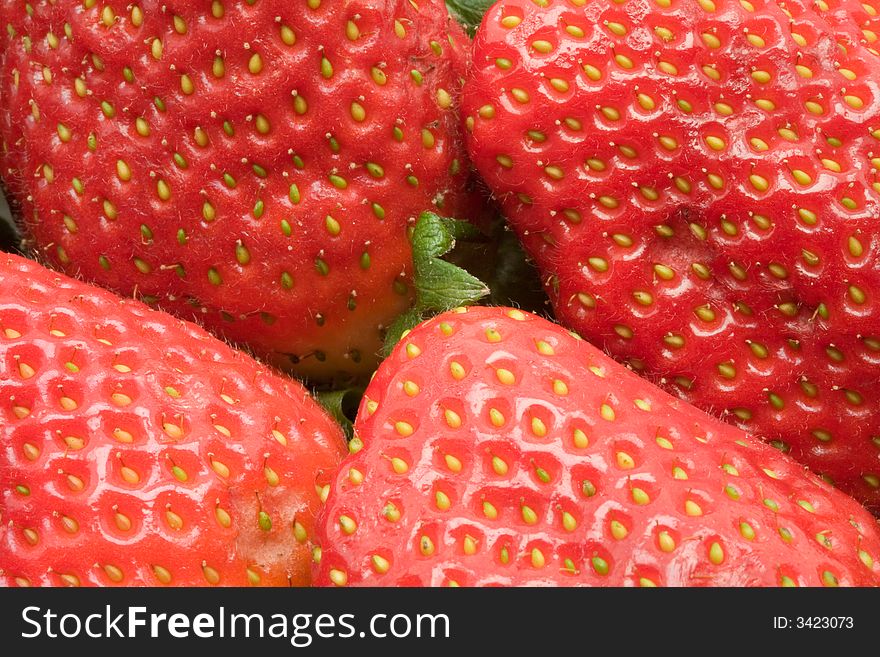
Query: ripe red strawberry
[[253, 165], [496, 448], [138, 450], [698, 183]]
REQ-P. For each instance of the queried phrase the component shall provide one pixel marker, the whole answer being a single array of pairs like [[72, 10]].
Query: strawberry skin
[[697, 182], [139, 450], [251, 165], [495, 448]]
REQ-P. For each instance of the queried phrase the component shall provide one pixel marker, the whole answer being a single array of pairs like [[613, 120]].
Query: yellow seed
[[539, 429], [625, 461], [667, 67], [580, 439], [404, 429], [808, 216], [458, 372], [444, 99], [716, 143], [496, 417], [347, 525], [223, 517], [469, 545], [618, 530], [352, 33], [123, 522], [802, 177], [173, 519], [666, 542], [711, 72], [442, 500], [338, 577], [499, 466], [664, 32], [288, 36], [380, 564], [640, 496], [855, 247], [854, 101], [358, 113], [74, 443], [510, 21], [755, 40], [505, 376], [691, 508], [544, 348], [399, 465], [761, 77], [623, 61], [711, 40], [607, 413], [594, 74], [129, 475], [220, 468], [453, 463], [490, 511], [759, 182], [542, 46], [554, 172], [560, 387]]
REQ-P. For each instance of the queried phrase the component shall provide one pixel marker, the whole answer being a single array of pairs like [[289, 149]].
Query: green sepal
[[341, 405], [469, 12], [439, 285]]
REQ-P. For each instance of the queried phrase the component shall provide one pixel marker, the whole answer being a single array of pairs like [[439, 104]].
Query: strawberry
[[698, 183], [495, 448], [139, 450], [251, 165]]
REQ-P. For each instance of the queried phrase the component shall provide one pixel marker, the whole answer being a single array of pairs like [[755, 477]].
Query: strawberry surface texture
[[697, 181], [252, 165], [495, 448], [137, 450]]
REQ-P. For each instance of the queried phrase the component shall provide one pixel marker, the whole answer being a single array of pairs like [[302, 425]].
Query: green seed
[[242, 254], [264, 521]]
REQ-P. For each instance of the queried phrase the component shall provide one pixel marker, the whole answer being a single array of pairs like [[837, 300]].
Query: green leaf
[[469, 12], [439, 285], [399, 326], [342, 405]]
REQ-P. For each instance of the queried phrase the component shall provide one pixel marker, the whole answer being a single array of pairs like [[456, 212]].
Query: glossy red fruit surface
[[137, 450], [250, 165], [494, 448], [698, 184]]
